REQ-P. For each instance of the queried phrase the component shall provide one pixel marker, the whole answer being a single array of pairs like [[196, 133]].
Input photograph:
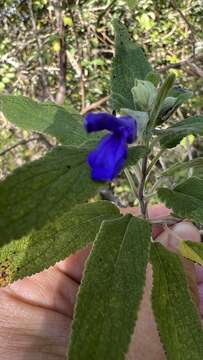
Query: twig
[[190, 26], [39, 47], [43, 139], [60, 96], [94, 105], [22, 142], [189, 67], [106, 9]]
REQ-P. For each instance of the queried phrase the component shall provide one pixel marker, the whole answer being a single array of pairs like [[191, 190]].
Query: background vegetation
[[62, 51]]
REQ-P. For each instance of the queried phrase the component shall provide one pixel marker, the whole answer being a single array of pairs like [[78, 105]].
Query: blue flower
[[108, 159]]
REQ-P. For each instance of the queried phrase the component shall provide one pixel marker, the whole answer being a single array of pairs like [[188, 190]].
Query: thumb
[[171, 237]]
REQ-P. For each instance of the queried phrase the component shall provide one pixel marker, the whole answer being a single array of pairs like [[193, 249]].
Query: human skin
[[36, 312]]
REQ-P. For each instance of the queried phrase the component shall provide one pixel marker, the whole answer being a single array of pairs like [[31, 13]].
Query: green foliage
[[176, 97], [135, 153], [111, 290], [186, 199], [42, 210], [192, 251], [55, 241], [176, 316], [44, 189], [47, 118], [161, 96], [174, 134], [131, 3], [129, 64], [195, 163]]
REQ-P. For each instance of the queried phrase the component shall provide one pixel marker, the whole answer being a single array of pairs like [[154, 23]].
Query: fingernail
[[184, 231]]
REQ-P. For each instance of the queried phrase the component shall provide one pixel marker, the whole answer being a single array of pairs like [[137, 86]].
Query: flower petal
[[108, 158], [100, 121], [128, 126]]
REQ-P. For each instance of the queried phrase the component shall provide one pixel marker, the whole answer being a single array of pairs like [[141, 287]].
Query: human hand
[[36, 313]]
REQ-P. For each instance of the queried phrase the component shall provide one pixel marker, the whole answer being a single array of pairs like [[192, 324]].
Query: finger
[[74, 264], [172, 236], [145, 342], [55, 288], [31, 332], [155, 211], [50, 289]]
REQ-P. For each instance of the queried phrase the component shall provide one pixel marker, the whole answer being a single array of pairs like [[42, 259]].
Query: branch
[[188, 65], [39, 47], [60, 96], [22, 142], [94, 105], [80, 71], [190, 26]]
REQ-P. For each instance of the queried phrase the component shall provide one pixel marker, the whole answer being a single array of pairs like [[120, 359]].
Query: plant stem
[[131, 182], [143, 204], [21, 142], [153, 162]]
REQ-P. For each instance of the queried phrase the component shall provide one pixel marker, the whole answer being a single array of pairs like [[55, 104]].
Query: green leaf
[[111, 290], [55, 241], [43, 189], [141, 118], [175, 313], [186, 199], [174, 134], [129, 64], [135, 153], [192, 251], [180, 96], [195, 163], [161, 96], [47, 118], [153, 77]]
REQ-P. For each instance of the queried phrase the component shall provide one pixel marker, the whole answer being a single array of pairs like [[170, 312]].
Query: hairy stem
[[143, 203], [131, 182], [153, 162]]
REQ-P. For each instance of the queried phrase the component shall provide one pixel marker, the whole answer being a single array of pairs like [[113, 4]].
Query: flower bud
[[144, 93]]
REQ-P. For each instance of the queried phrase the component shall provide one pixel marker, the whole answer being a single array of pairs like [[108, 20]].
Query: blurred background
[[62, 51]]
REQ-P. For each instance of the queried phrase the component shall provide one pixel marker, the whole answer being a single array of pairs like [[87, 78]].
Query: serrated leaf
[[111, 291], [186, 199], [175, 313], [43, 189], [174, 134], [135, 153], [192, 251], [129, 64], [194, 163], [47, 118], [55, 241]]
